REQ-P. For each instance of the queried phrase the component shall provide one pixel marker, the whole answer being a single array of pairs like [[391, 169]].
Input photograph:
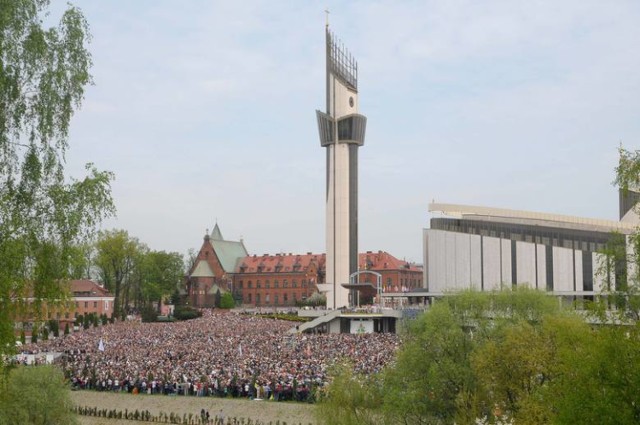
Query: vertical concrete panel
[[331, 252], [506, 262], [476, 261], [342, 242], [463, 261], [425, 258], [491, 263], [578, 271], [526, 263], [442, 260], [562, 269], [542, 267], [437, 267], [450, 261]]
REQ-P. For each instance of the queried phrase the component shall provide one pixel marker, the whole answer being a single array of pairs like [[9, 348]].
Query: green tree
[[622, 252], [54, 327], [115, 259], [601, 378], [43, 214], [226, 301], [164, 270], [351, 399], [34, 333], [472, 355], [432, 370], [37, 396]]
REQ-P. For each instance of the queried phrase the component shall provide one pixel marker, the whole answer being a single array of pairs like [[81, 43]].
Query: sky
[[205, 112]]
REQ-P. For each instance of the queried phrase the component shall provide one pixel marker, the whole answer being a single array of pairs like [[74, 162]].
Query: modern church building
[[342, 131], [471, 247]]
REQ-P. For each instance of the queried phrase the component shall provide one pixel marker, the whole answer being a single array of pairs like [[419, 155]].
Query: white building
[[470, 247], [342, 131]]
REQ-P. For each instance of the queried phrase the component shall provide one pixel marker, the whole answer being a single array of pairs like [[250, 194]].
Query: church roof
[[216, 234], [228, 252]]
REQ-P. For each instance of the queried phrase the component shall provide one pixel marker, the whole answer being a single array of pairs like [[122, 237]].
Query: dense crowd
[[222, 354]]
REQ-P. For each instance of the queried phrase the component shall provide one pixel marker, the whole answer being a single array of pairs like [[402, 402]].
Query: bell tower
[[342, 131]]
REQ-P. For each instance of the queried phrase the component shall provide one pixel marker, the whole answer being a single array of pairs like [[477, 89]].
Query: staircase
[[315, 322]]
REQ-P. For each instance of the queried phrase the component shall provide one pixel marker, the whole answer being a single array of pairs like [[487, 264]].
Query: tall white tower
[[342, 131]]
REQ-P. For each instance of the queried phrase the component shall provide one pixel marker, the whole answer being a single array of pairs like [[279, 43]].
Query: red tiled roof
[[368, 260], [89, 287], [382, 260], [286, 263]]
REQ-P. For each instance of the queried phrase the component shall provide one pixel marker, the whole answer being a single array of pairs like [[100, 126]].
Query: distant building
[[89, 297], [213, 269], [483, 248], [278, 280], [84, 297]]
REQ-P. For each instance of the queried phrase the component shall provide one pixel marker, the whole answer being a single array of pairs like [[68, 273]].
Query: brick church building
[[278, 280]]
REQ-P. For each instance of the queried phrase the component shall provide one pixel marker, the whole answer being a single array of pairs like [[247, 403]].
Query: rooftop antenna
[[327, 13]]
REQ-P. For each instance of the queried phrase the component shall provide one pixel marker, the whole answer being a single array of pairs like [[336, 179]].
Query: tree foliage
[[619, 263], [37, 396], [43, 214], [115, 260], [227, 301], [513, 356], [136, 275], [352, 399]]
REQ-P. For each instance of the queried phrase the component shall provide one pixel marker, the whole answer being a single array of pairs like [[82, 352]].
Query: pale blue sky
[[205, 110]]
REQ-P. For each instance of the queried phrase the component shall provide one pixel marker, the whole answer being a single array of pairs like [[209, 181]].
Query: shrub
[[226, 301], [36, 395], [186, 313], [149, 314]]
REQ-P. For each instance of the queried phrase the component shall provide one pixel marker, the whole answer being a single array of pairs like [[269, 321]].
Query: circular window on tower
[[351, 101]]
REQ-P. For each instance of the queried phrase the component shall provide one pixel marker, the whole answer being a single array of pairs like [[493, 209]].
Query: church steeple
[[216, 234]]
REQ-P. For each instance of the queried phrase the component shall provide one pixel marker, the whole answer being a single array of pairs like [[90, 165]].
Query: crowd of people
[[219, 354]]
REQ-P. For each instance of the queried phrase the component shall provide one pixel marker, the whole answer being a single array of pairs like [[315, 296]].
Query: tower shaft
[[342, 131]]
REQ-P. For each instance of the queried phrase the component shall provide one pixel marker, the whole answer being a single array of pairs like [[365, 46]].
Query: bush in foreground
[[35, 395]]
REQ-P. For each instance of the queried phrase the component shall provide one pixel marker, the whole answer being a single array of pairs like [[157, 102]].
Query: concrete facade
[[341, 130], [485, 248]]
